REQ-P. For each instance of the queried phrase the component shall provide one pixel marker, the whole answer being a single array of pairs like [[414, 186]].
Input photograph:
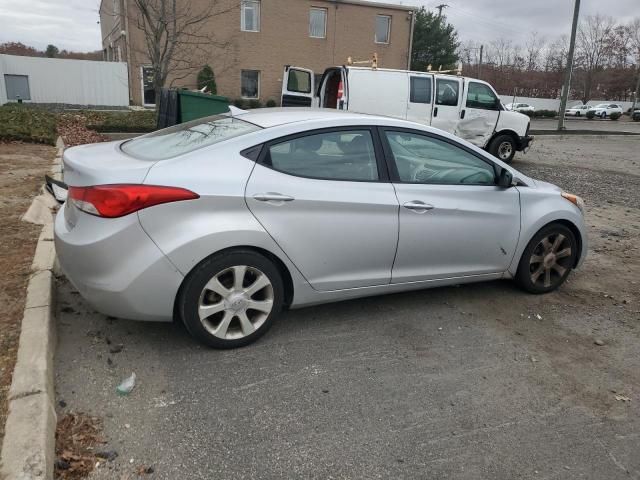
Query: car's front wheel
[[548, 259], [231, 299]]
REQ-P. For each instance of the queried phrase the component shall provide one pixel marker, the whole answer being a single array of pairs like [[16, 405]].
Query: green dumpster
[[197, 105]]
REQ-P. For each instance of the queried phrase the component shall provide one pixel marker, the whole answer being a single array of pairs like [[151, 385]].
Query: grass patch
[[29, 123]]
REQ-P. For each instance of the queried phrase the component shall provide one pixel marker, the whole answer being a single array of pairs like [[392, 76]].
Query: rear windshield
[[186, 137]]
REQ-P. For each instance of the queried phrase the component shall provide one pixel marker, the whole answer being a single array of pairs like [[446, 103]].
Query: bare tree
[[178, 37], [533, 47], [502, 52], [593, 46]]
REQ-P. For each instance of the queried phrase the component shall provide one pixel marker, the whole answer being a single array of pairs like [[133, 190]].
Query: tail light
[[113, 201]]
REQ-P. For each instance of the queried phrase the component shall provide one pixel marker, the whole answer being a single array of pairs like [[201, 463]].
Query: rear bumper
[[115, 266], [524, 143]]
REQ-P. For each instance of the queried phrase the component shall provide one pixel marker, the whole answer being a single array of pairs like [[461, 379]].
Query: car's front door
[[325, 199], [454, 220], [479, 115], [446, 108]]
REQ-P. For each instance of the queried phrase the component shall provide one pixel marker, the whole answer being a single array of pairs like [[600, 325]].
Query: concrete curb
[[28, 448]]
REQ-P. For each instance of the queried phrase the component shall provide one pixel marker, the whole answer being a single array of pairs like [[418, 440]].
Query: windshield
[[186, 137]]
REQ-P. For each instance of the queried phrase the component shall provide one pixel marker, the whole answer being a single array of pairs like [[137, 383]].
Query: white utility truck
[[466, 107]]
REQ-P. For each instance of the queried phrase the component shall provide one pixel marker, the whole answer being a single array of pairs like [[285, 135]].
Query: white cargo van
[[466, 107]]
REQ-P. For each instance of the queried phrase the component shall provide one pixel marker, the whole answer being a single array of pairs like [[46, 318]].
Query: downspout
[[128, 44], [413, 24]]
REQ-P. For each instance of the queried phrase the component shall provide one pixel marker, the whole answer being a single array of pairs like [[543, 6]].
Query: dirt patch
[[78, 438], [22, 167]]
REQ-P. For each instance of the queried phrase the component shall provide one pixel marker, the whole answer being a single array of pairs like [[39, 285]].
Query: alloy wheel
[[235, 302], [550, 260]]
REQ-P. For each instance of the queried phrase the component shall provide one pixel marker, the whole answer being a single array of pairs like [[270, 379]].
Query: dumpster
[[197, 105], [179, 106]]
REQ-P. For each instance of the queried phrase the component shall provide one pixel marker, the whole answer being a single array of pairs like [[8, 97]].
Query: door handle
[[272, 197], [462, 114], [435, 112], [418, 206]]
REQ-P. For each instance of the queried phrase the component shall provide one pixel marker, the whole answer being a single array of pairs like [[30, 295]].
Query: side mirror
[[505, 178]]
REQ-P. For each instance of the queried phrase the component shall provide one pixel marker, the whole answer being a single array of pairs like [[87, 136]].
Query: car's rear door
[[298, 87], [325, 198], [454, 220]]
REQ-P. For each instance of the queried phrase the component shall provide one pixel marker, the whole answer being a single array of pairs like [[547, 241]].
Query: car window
[[447, 92], [341, 155], [481, 96], [423, 159], [186, 137], [420, 90]]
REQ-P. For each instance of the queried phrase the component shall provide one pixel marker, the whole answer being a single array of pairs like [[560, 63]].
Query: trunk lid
[[101, 164]]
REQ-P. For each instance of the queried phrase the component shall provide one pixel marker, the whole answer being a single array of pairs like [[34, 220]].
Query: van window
[[481, 96], [299, 81], [342, 155], [420, 90], [447, 92]]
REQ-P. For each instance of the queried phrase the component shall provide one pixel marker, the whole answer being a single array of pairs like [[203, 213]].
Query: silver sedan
[[224, 221]]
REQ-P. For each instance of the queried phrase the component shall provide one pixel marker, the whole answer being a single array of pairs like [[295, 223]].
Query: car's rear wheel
[[548, 259], [577, 114], [503, 147], [231, 299]]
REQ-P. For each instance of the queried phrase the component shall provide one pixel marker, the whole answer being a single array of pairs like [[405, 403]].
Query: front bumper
[[524, 143], [115, 266]]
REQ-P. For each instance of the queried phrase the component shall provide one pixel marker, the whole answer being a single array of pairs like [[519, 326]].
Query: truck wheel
[[503, 147]]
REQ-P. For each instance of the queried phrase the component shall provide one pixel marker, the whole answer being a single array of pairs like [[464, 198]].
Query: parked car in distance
[[520, 107], [603, 110], [577, 110], [465, 107], [635, 116], [224, 221]]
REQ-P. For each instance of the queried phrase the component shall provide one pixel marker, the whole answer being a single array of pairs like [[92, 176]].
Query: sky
[[72, 24]]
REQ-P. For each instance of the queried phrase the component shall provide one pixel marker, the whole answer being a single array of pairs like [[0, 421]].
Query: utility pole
[[480, 61], [440, 7], [636, 94], [567, 79]]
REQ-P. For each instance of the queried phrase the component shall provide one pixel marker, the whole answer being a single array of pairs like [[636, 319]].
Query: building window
[[250, 16], [318, 23], [383, 28], [148, 92], [250, 84], [17, 87]]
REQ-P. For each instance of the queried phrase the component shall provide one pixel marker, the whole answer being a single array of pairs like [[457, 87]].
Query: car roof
[[272, 117]]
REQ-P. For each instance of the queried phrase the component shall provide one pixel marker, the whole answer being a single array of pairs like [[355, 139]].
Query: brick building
[[255, 39]]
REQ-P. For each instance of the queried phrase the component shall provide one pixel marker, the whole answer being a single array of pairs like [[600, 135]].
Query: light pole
[[567, 79]]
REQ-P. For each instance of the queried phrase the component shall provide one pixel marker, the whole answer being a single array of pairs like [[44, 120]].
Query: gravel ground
[[477, 382], [22, 169]]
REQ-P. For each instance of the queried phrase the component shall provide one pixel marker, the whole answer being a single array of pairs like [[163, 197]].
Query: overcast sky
[[72, 24]]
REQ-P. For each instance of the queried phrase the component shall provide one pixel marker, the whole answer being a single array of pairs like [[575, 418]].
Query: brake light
[[113, 201]]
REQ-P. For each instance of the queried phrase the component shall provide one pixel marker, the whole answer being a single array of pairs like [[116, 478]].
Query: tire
[[603, 115], [215, 307], [577, 114], [503, 147], [538, 271]]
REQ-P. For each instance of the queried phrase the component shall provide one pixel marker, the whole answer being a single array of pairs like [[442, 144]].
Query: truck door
[[420, 101], [479, 114], [297, 87], [446, 108]]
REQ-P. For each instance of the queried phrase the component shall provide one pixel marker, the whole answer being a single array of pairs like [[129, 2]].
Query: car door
[[298, 87], [454, 220], [325, 198], [420, 102], [446, 109], [479, 116]]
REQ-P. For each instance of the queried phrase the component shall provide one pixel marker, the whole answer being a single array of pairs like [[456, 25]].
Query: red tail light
[[113, 201]]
